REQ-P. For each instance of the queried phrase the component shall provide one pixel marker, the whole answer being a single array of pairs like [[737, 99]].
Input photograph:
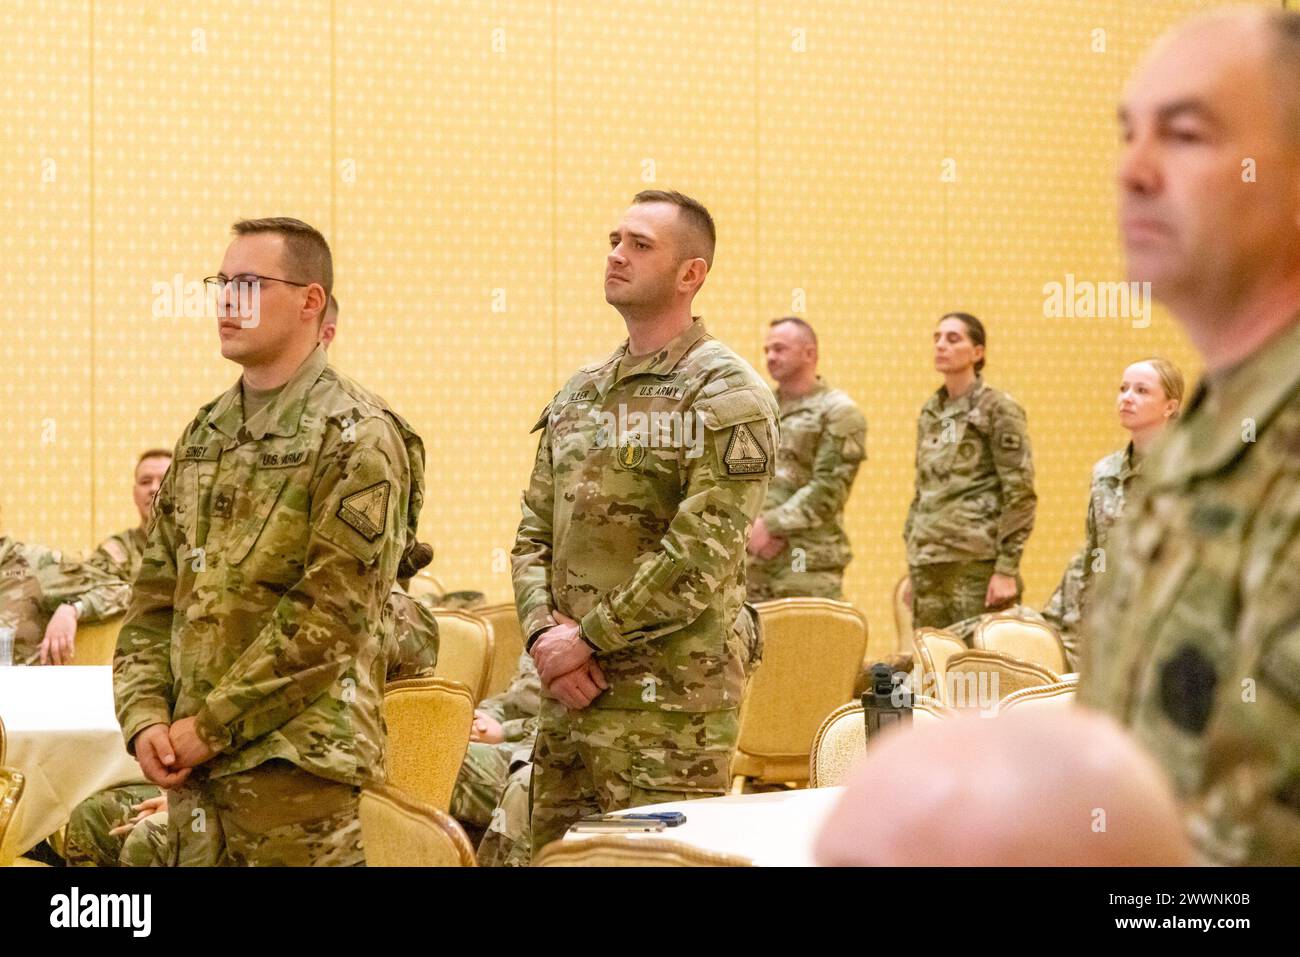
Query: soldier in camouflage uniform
[[798, 545], [250, 668], [105, 829], [1150, 394], [974, 503], [1192, 637], [121, 554], [629, 562], [39, 588], [501, 747]]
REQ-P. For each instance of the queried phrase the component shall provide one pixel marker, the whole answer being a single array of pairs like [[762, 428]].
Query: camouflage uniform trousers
[[88, 843], [775, 579], [599, 760], [146, 845], [506, 844], [275, 814], [482, 778], [949, 592]]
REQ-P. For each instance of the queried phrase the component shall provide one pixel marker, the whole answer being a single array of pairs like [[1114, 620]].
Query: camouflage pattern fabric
[[823, 442], [35, 580], [1192, 637], [648, 477], [259, 606], [975, 497]]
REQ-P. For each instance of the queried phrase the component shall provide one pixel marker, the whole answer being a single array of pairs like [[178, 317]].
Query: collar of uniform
[[803, 401], [281, 416], [665, 359], [1209, 436], [962, 404]]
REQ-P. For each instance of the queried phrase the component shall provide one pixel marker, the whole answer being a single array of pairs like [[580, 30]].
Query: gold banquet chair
[[842, 739], [398, 830], [1022, 638], [1058, 694], [423, 584], [934, 648], [902, 618], [96, 641], [611, 850], [507, 645], [812, 654], [428, 723], [464, 649], [980, 678], [12, 783]]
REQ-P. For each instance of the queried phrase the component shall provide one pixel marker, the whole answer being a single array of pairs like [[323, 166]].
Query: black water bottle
[[883, 706]]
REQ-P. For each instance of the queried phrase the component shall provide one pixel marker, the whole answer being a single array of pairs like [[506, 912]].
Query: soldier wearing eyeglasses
[[249, 670]]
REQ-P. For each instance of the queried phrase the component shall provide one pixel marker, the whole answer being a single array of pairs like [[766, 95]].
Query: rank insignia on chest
[[366, 511], [223, 501], [744, 455], [631, 453]]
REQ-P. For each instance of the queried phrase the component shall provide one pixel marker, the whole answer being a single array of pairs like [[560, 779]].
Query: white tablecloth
[[64, 737], [775, 829]]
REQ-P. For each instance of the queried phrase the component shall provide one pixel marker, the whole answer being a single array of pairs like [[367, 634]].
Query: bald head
[[1055, 787]]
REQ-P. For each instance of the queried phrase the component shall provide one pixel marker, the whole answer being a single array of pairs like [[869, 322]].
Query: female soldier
[[1150, 395], [974, 503]]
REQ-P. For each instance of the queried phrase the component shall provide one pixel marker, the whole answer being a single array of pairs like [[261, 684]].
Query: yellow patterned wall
[[870, 165]]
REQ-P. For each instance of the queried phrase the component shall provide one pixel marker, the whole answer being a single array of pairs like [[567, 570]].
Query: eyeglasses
[[245, 280]]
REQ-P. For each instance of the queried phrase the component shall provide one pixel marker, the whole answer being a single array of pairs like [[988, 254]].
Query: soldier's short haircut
[[307, 256], [153, 454], [1284, 29], [693, 214], [796, 321], [974, 331]]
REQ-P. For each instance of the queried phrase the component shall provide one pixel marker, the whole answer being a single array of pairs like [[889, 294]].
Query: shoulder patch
[[744, 455], [366, 511], [1010, 441]]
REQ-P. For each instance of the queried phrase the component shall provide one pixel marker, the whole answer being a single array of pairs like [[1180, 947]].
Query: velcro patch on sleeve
[[745, 454], [1010, 441], [366, 511]]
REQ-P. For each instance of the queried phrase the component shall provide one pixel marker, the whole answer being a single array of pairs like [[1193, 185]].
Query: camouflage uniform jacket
[[1192, 637], [645, 485], [120, 555], [272, 551], [1112, 480], [823, 441], [975, 495], [35, 580]]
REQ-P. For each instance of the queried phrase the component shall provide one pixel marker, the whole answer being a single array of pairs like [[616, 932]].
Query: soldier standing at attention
[[1192, 638], [974, 503], [1150, 395], [249, 671], [629, 563], [798, 545]]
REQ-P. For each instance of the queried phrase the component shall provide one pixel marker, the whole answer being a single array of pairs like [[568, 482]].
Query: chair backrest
[[428, 723], [424, 582], [1055, 695], [812, 655], [399, 831], [612, 850], [3, 743], [934, 647], [902, 617], [96, 641], [507, 644], [11, 789], [926, 709], [464, 649], [980, 678], [840, 741], [1022, 638]]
